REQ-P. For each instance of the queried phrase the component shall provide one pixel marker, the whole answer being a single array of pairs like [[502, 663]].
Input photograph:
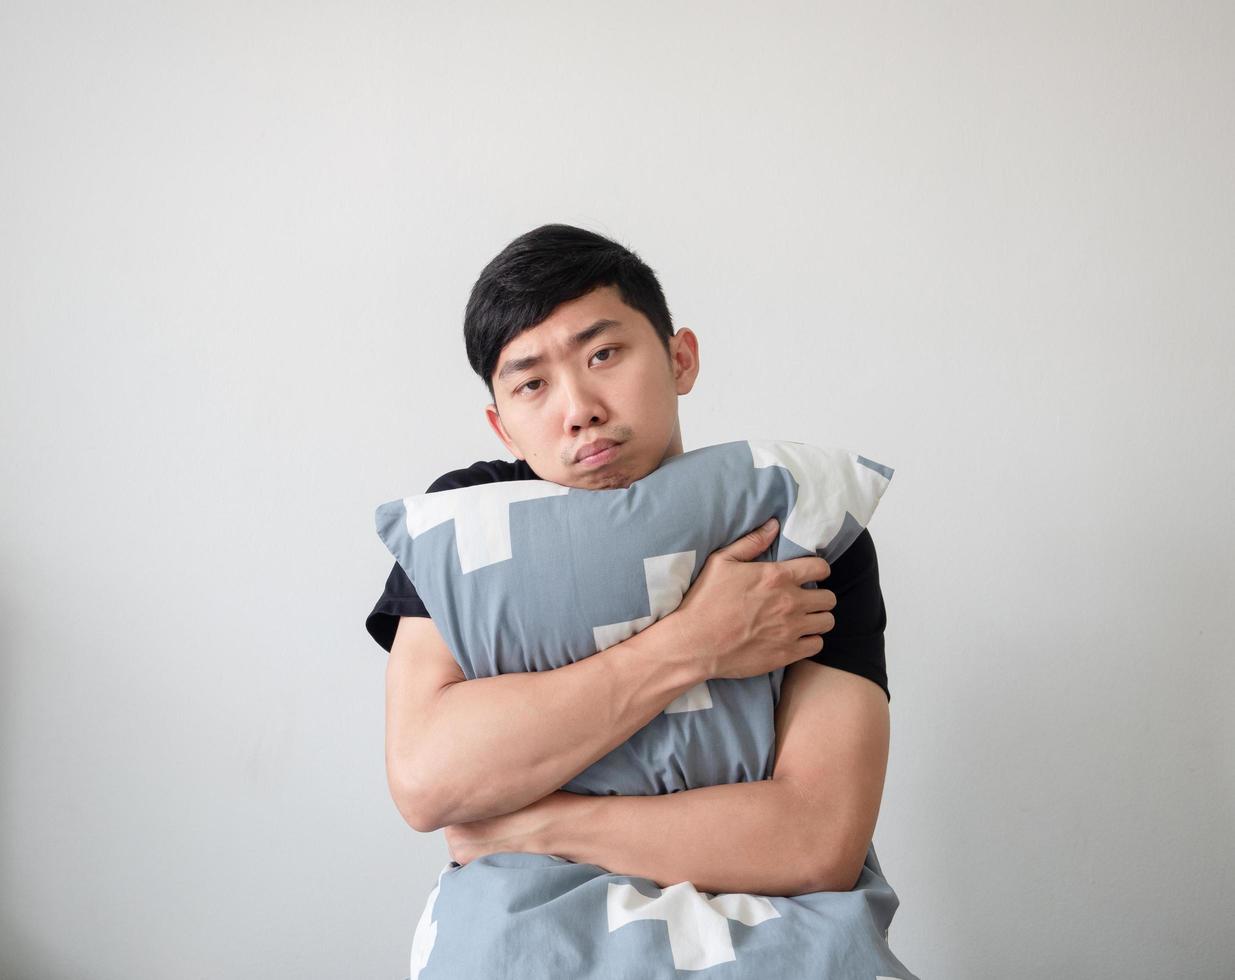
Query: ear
[[495, 423], [684, 358]]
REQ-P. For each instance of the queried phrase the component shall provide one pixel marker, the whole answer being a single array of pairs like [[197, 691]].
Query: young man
[[573, 338]]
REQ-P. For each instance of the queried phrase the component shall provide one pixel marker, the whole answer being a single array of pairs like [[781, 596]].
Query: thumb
[[751, 545]]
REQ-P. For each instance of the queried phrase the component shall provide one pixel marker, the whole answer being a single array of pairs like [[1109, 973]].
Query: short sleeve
[[855, 642], [399, 598]]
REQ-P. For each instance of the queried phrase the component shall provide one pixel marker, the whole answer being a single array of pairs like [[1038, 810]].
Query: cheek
[[653, 393]]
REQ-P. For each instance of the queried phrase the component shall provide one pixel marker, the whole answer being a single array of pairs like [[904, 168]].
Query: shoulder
[[483, 471], [858, 562]]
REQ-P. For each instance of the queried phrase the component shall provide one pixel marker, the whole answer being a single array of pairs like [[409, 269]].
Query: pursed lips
[[599, 447]]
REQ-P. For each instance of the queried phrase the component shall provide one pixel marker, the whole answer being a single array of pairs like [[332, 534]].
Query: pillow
[[530, 575]]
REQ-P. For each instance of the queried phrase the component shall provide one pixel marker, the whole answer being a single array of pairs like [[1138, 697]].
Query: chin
[[615, 480]]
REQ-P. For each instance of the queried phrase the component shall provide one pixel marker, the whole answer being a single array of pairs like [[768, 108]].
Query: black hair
[[543, 268]]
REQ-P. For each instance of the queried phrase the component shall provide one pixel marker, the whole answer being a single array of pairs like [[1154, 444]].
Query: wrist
[[653, 667], [674, 644], [557, 828]]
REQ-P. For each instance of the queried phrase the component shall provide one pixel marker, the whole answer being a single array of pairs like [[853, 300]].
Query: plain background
[[989, 245]]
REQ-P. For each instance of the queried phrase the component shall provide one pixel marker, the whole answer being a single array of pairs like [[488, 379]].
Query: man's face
[[616, 383]]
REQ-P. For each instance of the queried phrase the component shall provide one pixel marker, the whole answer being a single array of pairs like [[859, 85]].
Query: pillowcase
[[531, 575]]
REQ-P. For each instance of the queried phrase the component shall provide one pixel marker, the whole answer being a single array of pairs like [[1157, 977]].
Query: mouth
[[597, 453]]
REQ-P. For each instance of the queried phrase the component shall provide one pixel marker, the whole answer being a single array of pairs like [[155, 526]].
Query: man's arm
[[805, 829], [447, 763], [833, 730]]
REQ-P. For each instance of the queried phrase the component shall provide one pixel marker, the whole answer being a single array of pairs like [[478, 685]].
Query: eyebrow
[[578, 340]]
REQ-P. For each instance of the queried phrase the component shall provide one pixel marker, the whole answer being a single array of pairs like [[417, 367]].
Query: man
[[573, 338]]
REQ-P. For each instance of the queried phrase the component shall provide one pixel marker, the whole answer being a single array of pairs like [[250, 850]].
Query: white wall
[[989, 245]]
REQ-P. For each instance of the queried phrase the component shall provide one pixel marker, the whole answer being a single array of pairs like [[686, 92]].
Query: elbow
[[420, 820], [415, 802], [840, 873], [845, 879], [830, 878], [417, 812], [839, 869]]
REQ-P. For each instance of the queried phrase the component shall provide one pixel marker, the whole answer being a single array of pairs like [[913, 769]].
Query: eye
[[519, 390]]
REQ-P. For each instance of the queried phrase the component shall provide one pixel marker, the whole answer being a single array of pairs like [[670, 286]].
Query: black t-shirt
[[855, 642]]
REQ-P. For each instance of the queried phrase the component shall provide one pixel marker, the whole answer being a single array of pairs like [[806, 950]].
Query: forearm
[[756, 837], [497, 744]]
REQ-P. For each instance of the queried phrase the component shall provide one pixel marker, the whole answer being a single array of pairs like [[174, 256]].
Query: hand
[[750, 617], [520, 830]]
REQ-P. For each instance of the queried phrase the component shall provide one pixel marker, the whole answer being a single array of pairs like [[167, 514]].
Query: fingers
[[820, 622], [810, 645], [808, 568], [817, 600]]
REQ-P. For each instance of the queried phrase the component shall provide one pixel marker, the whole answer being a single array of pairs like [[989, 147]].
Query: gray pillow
[[530, 575]]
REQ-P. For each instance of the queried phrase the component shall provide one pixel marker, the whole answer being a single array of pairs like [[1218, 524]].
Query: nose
[[583, 407]]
